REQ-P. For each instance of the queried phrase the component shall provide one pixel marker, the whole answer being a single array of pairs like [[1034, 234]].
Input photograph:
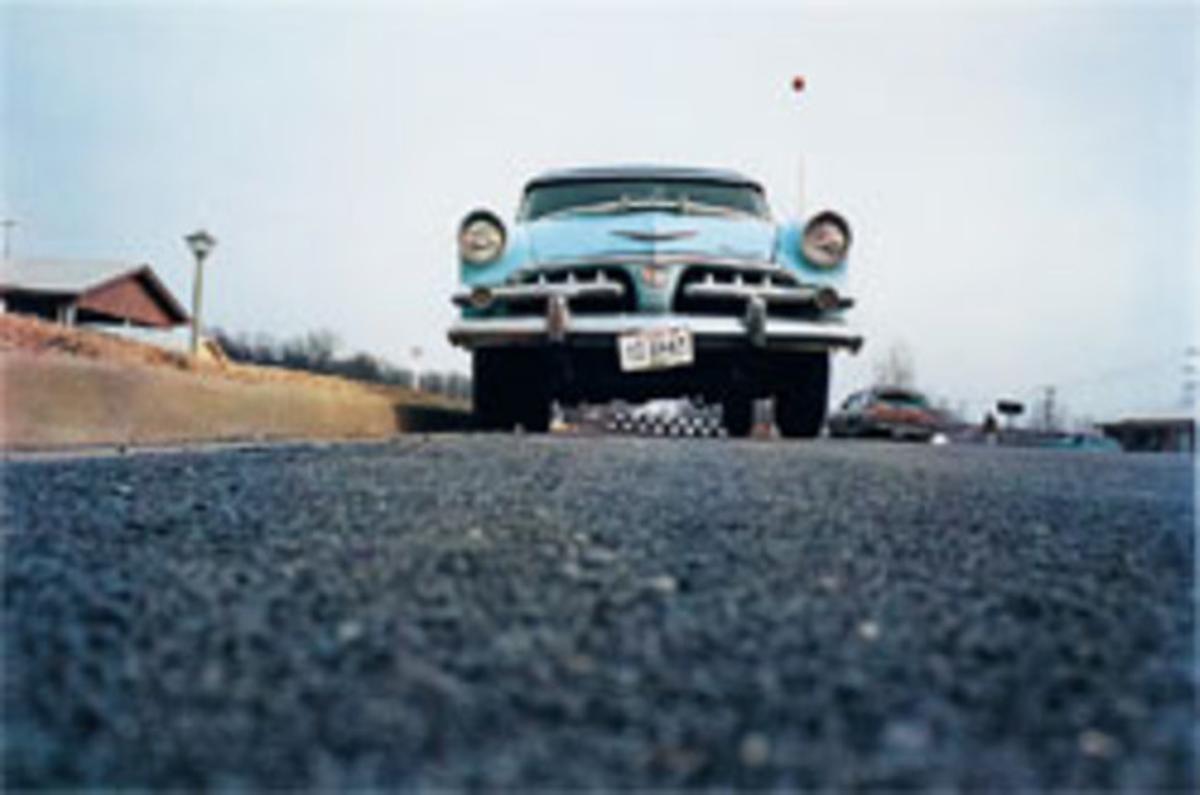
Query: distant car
[[887, 412], [646, 282], [659, 410]]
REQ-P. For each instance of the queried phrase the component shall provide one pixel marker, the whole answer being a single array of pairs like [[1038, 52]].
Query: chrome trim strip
[[654, 237], [657, 259], [565, 290], [771, 294]]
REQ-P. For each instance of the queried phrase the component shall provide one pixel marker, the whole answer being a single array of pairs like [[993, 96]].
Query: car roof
[[642, 172], [896, 391]]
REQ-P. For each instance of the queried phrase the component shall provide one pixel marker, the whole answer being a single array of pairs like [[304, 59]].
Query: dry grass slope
[[62, 387]]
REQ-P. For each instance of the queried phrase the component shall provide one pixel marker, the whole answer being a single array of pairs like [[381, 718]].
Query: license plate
[[656, 349]]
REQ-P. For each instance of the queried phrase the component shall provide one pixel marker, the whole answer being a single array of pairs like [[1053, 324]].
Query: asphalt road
[[500, 611]]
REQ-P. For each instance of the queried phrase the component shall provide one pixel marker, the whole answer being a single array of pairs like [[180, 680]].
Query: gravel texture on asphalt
[[507, 611]]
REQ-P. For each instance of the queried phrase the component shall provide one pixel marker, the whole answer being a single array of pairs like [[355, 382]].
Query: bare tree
[[896, 367], [320, 348], [318, 351]]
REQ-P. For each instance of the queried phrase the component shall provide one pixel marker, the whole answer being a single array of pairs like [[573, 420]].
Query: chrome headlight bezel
[[825, 240], [481, 238]]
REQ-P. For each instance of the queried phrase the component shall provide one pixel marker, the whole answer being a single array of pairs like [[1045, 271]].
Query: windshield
[[902, 399], [614, 196]]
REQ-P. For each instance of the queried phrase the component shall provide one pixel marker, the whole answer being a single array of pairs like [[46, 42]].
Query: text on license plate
[[655, 349]]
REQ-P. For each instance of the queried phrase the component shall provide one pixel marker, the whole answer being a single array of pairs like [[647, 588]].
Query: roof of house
[[642, 172], [78, 277], [60, 275]]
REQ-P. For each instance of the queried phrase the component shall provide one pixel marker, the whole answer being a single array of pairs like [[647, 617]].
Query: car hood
[[568, 237]]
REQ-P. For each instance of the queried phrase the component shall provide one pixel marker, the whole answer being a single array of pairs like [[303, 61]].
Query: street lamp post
[[201, 243], [416, 352]]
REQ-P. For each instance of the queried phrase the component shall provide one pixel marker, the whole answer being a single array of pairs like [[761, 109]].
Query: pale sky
[[1022, 179]]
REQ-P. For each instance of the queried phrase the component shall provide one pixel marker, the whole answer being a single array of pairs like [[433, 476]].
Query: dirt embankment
[[62, 387]]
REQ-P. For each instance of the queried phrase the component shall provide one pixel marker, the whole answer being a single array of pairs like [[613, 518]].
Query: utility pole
[[1049, 420], [8, 224], [1191, 372]]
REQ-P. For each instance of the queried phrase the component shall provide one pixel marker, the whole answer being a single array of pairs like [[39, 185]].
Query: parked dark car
[[888, 412]]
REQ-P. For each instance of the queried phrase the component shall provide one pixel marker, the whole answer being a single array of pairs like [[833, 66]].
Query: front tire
[[737, 415], [509, 388], [801, 405]]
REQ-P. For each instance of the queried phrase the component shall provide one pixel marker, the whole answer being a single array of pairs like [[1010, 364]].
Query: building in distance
[[91, 292]]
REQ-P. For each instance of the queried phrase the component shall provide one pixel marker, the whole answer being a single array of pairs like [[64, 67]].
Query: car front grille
[[725, 291], [583, 304]]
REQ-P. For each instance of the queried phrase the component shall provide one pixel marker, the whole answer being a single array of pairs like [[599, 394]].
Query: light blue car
[[651, 282]]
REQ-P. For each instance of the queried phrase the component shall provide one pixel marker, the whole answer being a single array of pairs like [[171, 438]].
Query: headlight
[[480, 237], [826, 240]]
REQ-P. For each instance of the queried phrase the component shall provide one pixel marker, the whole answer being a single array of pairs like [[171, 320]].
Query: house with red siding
[[91, 292]]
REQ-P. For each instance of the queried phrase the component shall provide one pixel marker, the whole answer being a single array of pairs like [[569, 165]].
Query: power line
[[1160, 362], [1145, 365], [1046, 406]]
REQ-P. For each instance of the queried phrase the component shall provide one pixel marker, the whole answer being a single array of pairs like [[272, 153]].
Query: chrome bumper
[[754, 329]]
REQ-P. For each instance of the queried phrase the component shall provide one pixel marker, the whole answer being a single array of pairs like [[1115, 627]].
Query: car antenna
[[798, 85]]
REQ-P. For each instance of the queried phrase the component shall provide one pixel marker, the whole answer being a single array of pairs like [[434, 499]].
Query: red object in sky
[[798, 83]]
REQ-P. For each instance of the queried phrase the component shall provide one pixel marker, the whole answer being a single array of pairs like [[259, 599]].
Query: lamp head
[[201, 243]]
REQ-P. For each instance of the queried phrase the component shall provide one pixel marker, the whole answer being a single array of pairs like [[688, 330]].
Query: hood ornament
[[654, 237]]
